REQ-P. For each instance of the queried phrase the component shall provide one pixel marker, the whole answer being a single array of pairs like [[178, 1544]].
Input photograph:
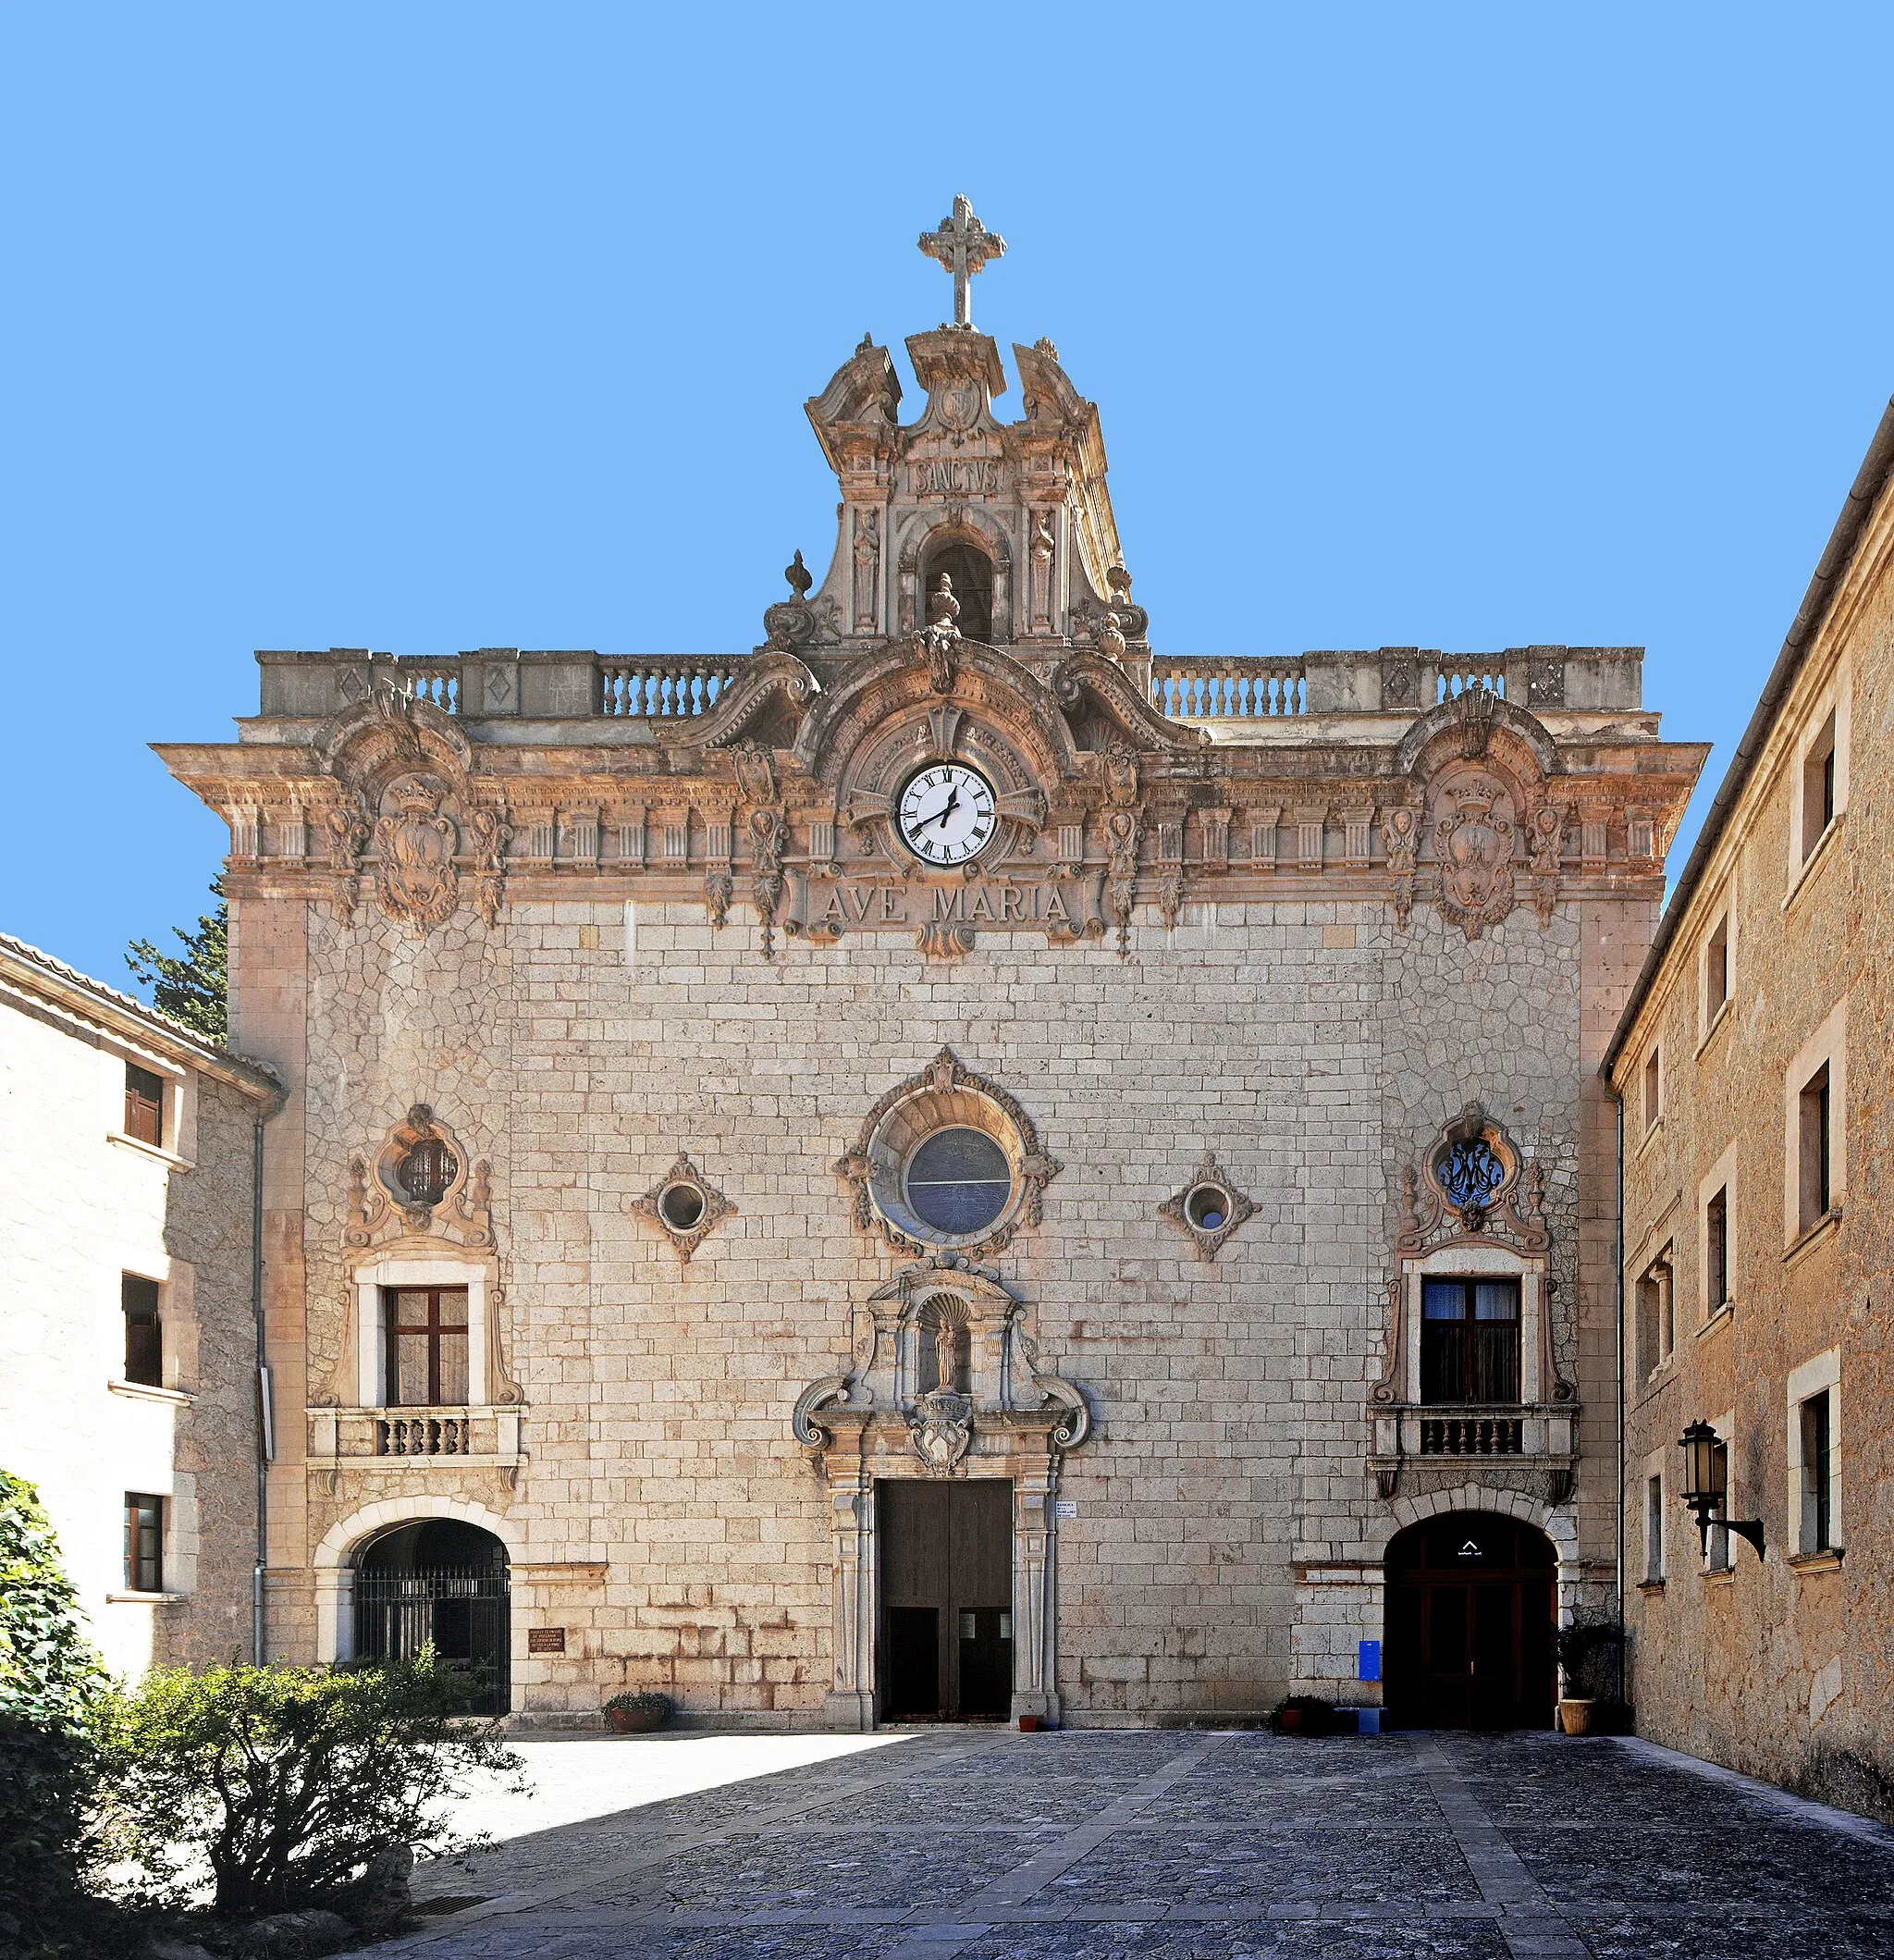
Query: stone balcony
[[381, 1439], [1474, 1438]]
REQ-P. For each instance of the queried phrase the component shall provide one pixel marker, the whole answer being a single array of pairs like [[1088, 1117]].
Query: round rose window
[[959, 1181]]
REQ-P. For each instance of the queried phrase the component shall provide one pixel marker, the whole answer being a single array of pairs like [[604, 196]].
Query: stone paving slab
[[1152, 1845]]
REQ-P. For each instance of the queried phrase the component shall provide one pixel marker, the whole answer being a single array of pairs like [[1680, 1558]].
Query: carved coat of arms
[[942, 1430], [1474, 844], [415, 877]]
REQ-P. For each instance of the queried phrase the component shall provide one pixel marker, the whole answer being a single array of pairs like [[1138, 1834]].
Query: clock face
[[946, 814]]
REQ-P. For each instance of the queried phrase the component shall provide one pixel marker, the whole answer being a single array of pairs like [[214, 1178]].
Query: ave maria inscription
[[945, 916]]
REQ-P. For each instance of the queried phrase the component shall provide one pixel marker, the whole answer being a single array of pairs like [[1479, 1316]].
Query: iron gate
[[466, 1611]]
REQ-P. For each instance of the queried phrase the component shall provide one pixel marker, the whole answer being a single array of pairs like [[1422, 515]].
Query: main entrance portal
[[1471, 1611], [946, 1620]]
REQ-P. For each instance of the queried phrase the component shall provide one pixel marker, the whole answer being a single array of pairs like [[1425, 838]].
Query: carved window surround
[[1478, 1211], [426, 1266]]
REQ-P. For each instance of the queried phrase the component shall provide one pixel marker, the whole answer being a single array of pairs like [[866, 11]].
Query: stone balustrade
[[1195, 688], [380, 1438], [492, 682], [662, 688]]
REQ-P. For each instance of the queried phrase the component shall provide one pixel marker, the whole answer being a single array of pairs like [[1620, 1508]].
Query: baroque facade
[[128, 1364], [947, 1163], [1750, 1067]]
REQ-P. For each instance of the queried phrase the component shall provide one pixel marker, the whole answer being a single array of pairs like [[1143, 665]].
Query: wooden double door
[[1472, 1604], [946, 1615]]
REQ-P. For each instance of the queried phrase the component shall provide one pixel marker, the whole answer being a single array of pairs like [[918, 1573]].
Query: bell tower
[[1015, 516]]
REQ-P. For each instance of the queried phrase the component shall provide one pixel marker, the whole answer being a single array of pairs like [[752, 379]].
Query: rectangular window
[[1654, 1089], [1817, 1520], [144, 1345], [1813, 1143], [1716, 969], [1657, 1320], [1470, 1341], [145, 1104], [426, 1345], [144, 1543], [1818, 787], [1654, 1532], [1716, 1249]]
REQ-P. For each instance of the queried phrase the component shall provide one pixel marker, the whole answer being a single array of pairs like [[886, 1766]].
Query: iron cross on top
[[963, 245]]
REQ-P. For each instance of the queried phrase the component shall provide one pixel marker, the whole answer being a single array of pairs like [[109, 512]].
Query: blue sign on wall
[[1369, 1666]]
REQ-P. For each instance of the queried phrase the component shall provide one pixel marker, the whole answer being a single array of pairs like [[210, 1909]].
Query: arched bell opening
[[971, 571], [1472, 1608], [444, 1582]]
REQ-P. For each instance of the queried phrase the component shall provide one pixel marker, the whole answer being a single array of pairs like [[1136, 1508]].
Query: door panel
[[1469, 1608], [946, 1622]]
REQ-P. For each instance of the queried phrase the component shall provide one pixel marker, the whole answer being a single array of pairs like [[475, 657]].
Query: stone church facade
[[948, 1163]]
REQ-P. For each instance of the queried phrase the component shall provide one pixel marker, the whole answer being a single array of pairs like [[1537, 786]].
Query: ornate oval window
[[1207, 1208], [947, 1162], [427, 1171]]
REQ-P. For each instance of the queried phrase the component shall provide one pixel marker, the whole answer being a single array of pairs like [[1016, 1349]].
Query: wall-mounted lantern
[[1706, 1485]]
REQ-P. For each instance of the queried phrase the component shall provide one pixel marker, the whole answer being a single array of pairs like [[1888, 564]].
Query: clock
[[945, 813]]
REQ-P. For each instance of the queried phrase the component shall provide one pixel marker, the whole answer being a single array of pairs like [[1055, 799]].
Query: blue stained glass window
[[959, 1181], [1469, 1171]]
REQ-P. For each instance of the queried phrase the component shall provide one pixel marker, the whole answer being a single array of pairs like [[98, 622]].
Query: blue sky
[[428, 328]]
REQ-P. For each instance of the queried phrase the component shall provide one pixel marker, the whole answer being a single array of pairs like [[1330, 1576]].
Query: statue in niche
[[867, 565], [1043, 544]]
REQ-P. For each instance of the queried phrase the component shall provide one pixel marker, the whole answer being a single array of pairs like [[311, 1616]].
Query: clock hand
[[953, 805]]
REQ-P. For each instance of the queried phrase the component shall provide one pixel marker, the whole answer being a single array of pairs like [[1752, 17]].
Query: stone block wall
[[682, 1533]]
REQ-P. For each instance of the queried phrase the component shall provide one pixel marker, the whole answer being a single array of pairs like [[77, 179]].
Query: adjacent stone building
[[1752, 1067], [129, 1389], [947, 1163]]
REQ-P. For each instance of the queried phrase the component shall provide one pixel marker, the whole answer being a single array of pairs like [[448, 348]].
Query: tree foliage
[[51, 1684], [193, 990], [283, 1783]]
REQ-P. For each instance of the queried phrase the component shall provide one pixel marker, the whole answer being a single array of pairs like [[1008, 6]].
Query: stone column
[[1035, 1614], [851, 1704]]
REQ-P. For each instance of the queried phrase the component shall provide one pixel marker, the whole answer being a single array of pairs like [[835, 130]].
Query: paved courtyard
[[1089, 1846]]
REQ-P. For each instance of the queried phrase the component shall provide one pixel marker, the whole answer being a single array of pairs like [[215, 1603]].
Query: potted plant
[[1588, 1651], [638, 1714], [1303, 1715]]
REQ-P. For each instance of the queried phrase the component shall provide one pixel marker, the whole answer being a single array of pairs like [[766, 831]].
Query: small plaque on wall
[[1064, 1507], [546, 1640]]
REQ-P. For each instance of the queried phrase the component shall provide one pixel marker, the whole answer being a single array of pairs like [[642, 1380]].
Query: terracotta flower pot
[[1028, 1725], [1575, 1716], [634, 1722]]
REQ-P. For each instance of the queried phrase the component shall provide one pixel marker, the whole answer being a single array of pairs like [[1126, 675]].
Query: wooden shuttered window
[[144, 1341], [145, 1104]]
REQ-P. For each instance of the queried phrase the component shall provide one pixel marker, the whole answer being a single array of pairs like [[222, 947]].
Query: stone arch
[[989, 686], [1473, 1585], [1559, 1523], [922, 537], [333, 1558]]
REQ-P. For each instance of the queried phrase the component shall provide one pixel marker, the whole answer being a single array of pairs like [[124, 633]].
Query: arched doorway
[[443, 1581], [972, 572], [1471, 1612]]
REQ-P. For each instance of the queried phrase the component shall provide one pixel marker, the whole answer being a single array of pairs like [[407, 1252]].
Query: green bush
[[50, 1684], [279, 1784]]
